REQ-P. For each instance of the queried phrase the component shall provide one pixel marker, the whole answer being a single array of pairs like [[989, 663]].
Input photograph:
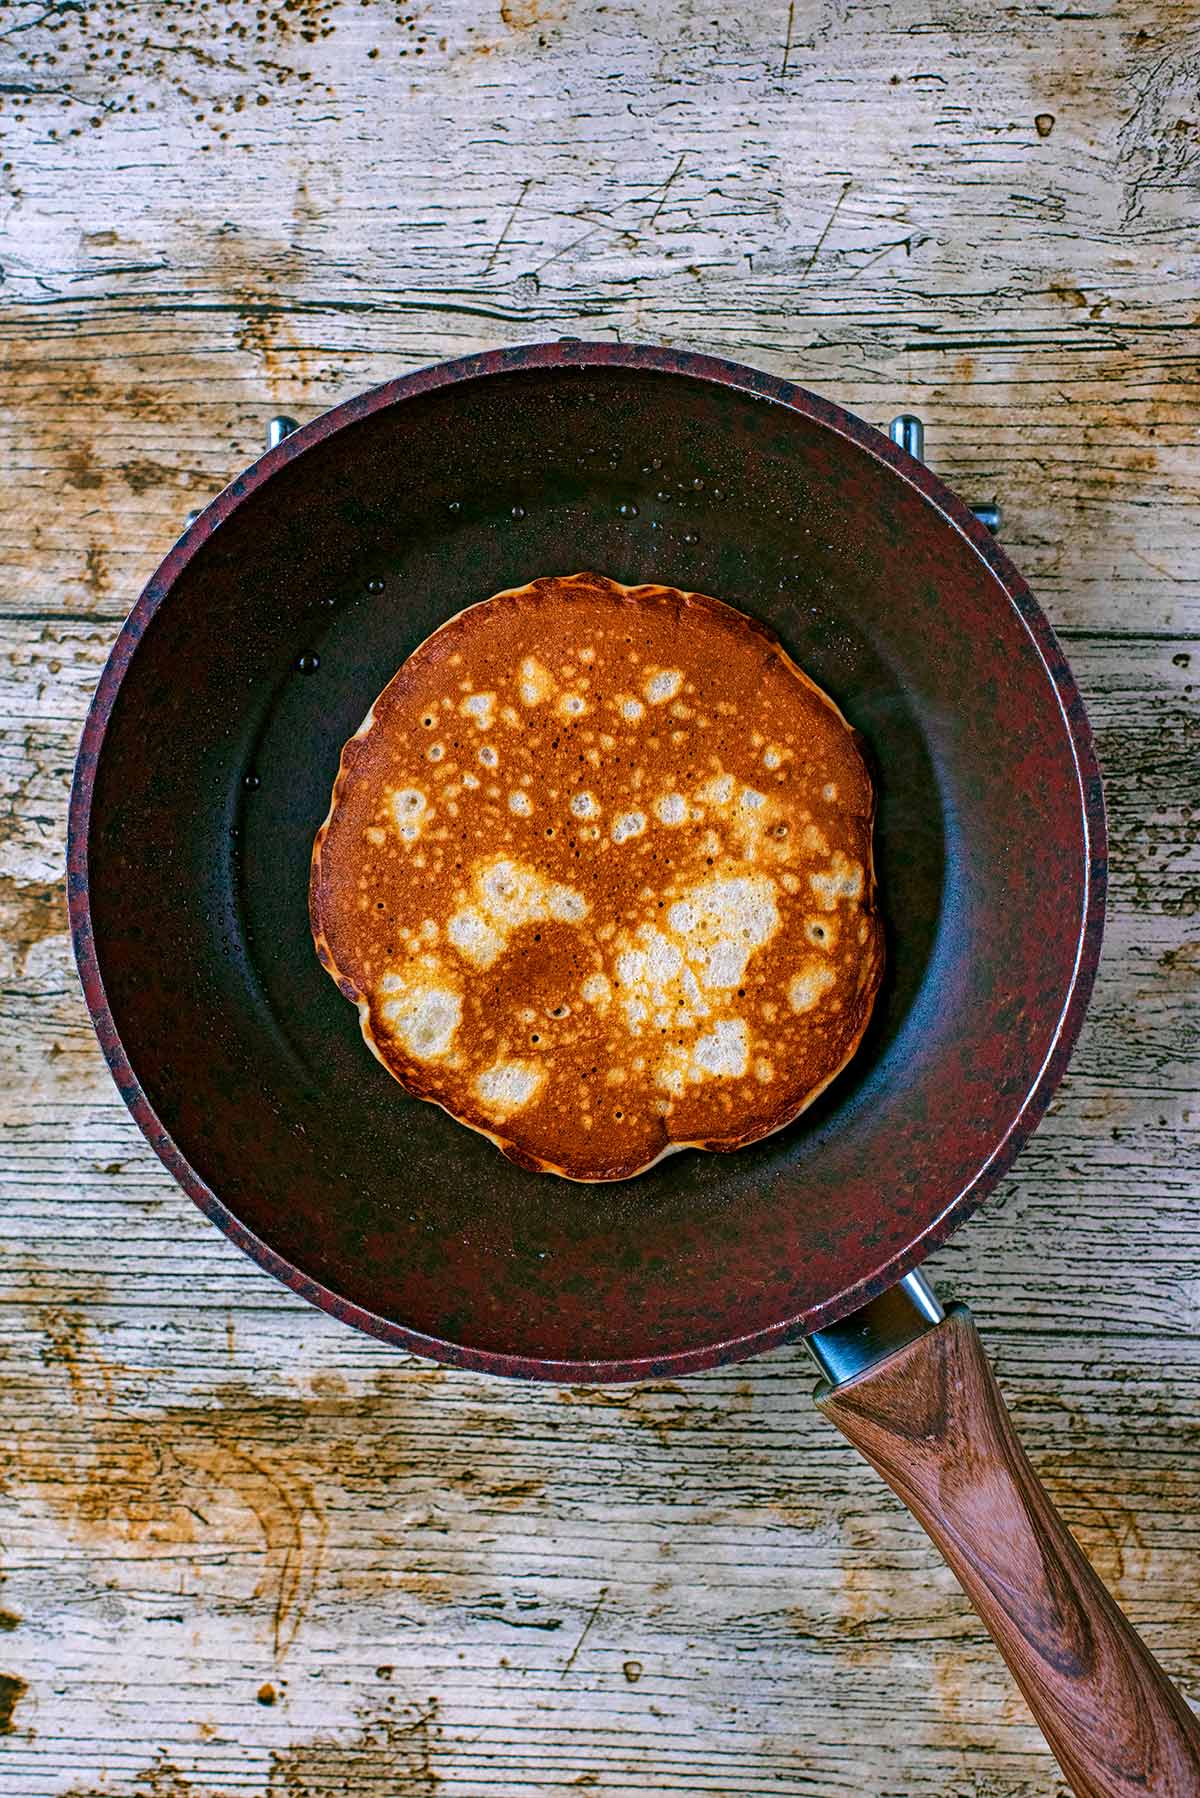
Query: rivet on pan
[[308, 664], [518, 511], [251, 782], [909, 433], [278, 428], [375, 586]]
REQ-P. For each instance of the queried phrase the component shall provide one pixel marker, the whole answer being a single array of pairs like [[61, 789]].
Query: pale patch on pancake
[[508, 1086], [571, 705], [722, 923], [420, 1009], [375, 835], [843, 880], [520, 803], [663, 685], [772, 757], [829, 792], [489, 756], [669, 973], [410, 810], [655, 984], [717, 791], [672, 808], [584, 805], [435, 752], [814, 840], [723, 1053], [806, 988], [631, 709], [534, 683], [596, 989], [509, 894], [629, 824], [475, 938], [480, 708]]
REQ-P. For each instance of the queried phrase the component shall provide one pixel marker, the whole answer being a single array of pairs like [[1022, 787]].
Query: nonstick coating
[[207, 764]]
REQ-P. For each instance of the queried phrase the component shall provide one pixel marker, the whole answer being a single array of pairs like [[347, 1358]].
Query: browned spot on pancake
[[597, 874]]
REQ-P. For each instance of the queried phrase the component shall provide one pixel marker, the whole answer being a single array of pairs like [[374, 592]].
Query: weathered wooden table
[[246, 1551]]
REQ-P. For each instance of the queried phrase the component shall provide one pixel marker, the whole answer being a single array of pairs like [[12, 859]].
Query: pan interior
[[217, 771]]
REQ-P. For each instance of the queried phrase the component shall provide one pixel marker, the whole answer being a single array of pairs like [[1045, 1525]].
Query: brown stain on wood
[[80, 470], [141, 474], [184, 1478], [12, 1690], [190, 1479], [246, 1475], [533, 15], [31, 911], [264, 279], [96, 576], [641, 1405], [65, 1346], [161, 1779], [391, 1756], [1184, 961], [1107, 1530]]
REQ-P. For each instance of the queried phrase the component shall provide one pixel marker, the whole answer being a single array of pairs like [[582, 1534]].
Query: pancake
[[597, 875]]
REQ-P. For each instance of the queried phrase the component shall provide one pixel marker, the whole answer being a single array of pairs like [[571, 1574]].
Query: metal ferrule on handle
[[869, 1335]]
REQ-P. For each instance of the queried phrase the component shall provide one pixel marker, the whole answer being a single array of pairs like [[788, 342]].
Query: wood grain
[[246, 1552], [931, 1421]]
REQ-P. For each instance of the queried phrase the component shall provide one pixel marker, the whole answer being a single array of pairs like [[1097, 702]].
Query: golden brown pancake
[[597, 875]]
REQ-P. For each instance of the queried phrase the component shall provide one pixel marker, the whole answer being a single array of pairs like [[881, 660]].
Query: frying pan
[[205, 769]]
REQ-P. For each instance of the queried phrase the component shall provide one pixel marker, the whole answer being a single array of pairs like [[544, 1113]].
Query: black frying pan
[[206, 766]]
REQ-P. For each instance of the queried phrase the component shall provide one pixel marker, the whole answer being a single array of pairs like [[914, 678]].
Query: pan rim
[[574, 354]]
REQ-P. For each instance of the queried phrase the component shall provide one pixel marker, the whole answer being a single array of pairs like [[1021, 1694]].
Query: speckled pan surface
[[252, 656], [597, 875]]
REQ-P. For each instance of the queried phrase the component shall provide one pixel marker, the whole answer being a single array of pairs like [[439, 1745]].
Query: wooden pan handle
[[931, 1420]]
